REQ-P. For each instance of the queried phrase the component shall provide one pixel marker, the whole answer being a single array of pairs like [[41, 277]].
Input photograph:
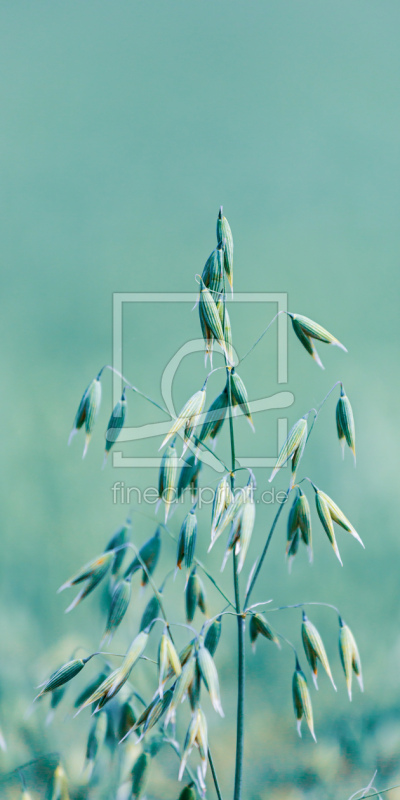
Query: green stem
[[241, 631], [214, 775]]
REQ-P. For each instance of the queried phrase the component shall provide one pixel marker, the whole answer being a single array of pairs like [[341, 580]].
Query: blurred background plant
[[110, 118]]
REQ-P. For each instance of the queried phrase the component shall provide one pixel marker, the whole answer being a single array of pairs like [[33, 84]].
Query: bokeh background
[[124, 127]]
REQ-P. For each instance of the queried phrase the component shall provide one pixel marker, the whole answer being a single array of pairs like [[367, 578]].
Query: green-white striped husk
[[189, 475], [188, 793], [299, 520], [349, 656], [167, 477], [188, 416], [239, 396], [302, 701], [292, 449], [227, 517], [96, 738], [212, 275], [241, 532], [150, 613], [187, 540], [96, 568], [314, 650], [224, 235], [60, 785], [118, 608], [306, 330], [328, 513], [115, 423], [326, 520], [194, 595], [196, 736], [345, 423], [213, 634], [167, 659], [63, 675], [215, 416], [152, 714], [127, 720], [118, 539], [181, 687], [114, 682], [210, 321], [140, 775], [222, 499], [259, 626], [93, 573], [148, 555], [88, 690], [209, 674], [87, 411], [227, 328]]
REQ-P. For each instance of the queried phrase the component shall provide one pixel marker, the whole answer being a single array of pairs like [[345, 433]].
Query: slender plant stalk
[[214, 775], [241, 630]]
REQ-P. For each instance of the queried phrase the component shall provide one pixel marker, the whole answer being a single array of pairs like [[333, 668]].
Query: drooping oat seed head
[[189, 476], [114, 682], [63, 675], [224, 236], [213, 635], [211, 324], [240, 397], [302, 700], [315, 650], [299, 522], [222, 499], [152, 714], [213, 272], [328, 513], [196, 736], [227, 517], [88, 691], [151, 612], [181, 688], [93, 573], [116, 543], [87, 411], [209, 674], [115, 424], [215, 417], [227, 329], [194, 595], [349, 656], [306, 330], [167, 659], [187, 540], [345, 423], [118, 607], [292, 449], [188, 416], [167, 477], [148, 555], [259, 626]]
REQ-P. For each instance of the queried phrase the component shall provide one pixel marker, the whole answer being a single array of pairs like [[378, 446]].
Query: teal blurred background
[[124, 127]]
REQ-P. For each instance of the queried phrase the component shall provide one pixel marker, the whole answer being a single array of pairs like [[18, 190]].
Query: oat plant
[[135, 725]]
